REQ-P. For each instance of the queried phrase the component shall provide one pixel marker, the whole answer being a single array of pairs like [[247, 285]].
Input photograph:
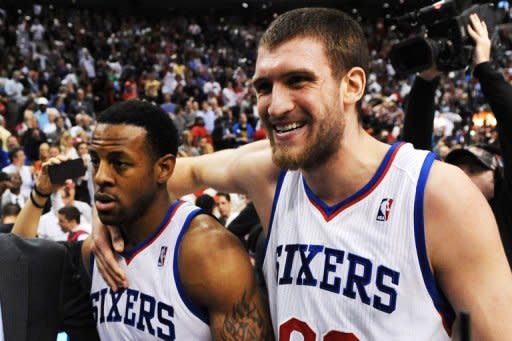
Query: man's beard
[[317, 151]]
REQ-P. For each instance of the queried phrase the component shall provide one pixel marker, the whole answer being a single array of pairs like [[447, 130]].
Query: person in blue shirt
[[244, 132]]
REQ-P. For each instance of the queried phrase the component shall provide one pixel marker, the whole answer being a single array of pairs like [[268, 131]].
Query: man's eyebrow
[[256, 82], [297, 72], [117, 154], [113, 154]]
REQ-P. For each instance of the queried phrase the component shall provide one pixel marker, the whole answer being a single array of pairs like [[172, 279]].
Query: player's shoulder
[[209, 256], [207, 236], [455, 211], [447, 183]]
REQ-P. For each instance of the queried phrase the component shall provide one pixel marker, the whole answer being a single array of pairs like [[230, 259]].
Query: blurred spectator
[[206, 202], [54, 150], [86, 61], [68, 196], [224, 207], [208, 116], [50, 128], [14, 88], [243, 131], [198, 130], [179, 119], [13, 195], [9, 214], [4, 133], [31, 140], [17, 157], [69, 222], [66, 146], [152, 87], [187, 145], [42, 113], [168, 105], [81, 104], [48, 226], [44, 155], [204, 146], [130, 89], [29, 121], [222, 136]]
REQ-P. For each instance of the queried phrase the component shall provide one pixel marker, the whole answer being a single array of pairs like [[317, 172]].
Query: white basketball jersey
[[155, 306], [357, 270]]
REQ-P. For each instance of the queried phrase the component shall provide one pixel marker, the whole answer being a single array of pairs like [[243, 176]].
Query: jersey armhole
[[200, 312], [279, 184], [438, 299]]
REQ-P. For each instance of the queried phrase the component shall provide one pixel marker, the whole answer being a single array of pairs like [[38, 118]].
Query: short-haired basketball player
[[189, 278]]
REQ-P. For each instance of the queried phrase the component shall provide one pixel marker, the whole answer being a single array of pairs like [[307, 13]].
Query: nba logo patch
[[384, 209], [161, 258]]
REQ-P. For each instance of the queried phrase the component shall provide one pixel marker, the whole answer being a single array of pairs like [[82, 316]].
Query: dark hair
[[71, 213], [162, 135], [13, 153], [205, 202], [225, 195], [11, 209], [342, 37], [4, 176]]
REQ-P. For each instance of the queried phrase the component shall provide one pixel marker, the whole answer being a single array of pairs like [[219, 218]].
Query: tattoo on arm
[[245, 322]]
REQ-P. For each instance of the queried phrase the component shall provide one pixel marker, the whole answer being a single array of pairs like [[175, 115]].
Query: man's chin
[[286, 162], [108, 219]]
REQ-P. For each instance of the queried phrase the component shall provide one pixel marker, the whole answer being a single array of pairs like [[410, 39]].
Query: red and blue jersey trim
[[438, 299], [329, 212], [130, 254]]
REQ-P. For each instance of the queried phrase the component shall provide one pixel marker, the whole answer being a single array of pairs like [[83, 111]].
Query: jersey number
[[286, 329]]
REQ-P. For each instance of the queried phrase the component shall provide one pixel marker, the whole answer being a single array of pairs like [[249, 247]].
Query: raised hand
[[43, 182], [478, 31]]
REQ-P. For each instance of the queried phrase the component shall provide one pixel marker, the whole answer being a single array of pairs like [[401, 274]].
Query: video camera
[[443, 39]]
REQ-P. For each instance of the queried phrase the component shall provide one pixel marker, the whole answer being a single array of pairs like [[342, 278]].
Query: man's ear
[[165, 168], [353, 85]]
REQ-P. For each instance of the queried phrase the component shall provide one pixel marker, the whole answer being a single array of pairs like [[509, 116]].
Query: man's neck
[[140, 229], [76, 228], [353, 166]]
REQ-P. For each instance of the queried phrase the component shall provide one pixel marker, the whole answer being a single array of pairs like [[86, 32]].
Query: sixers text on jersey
[[142, 311], [296, 270]]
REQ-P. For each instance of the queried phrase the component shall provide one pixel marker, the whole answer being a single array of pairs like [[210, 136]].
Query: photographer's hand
[[28, 219], [478, 31], [43, 182]]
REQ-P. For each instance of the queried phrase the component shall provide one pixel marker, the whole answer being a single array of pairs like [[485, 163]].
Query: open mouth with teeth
[[285, 128]]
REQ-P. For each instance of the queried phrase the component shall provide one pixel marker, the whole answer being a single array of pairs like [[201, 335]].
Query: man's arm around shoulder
[[466, 254], [241, 170], [217, 274]]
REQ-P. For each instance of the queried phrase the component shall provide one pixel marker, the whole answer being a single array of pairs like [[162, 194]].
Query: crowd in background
[[59, 68]]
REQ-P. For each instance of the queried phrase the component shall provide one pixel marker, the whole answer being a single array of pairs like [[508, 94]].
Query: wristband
[[41, 194], [34, 202]]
